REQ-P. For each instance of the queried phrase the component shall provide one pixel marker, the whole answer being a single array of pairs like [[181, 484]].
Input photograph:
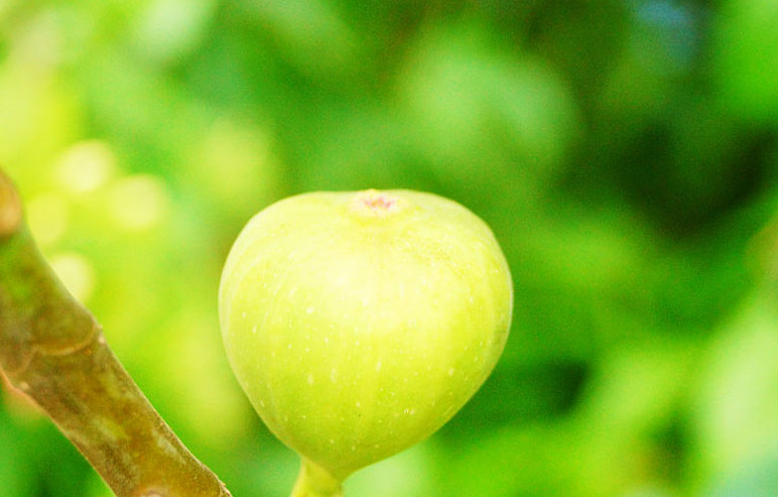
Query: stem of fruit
[[315, 481]]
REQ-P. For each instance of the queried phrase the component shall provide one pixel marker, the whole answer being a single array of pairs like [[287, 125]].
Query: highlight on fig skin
[[358, 323]]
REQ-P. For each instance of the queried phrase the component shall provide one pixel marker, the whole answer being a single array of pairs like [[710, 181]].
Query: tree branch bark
[[53, 349]]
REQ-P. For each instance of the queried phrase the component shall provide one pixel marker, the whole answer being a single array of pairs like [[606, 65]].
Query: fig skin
[[358, 323]]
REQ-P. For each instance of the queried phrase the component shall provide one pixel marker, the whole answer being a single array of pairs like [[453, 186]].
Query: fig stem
[[53, 351], [315, 481], [10, 208]]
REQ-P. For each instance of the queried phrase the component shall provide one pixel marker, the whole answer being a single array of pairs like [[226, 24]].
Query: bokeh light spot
[[86, 166], [47, 217], [76, 273], [138, 202]]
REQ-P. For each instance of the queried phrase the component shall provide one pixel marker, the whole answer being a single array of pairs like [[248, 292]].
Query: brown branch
[[10, 208], [52, 349]]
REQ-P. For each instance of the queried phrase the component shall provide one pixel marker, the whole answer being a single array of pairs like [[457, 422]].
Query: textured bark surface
[[53, 350]]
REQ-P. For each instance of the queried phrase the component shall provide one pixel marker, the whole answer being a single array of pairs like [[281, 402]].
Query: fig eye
[[376, 203]]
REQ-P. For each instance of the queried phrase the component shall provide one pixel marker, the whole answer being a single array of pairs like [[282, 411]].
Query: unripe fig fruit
[[358, 323]]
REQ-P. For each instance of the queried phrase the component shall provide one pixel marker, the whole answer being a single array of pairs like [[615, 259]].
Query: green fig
[[359, 323]]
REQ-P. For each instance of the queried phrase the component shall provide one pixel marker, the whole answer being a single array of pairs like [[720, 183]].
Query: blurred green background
[[625, 153]]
